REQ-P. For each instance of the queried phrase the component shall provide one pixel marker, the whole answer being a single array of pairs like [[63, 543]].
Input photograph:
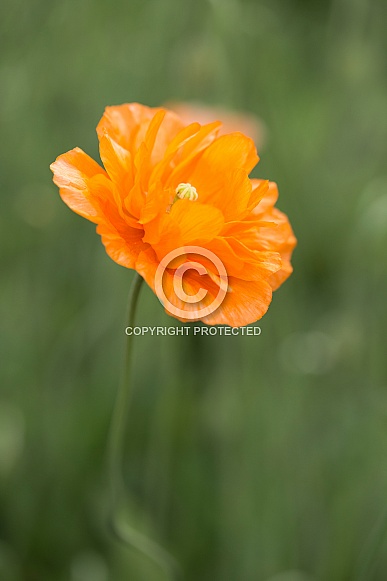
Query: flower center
[[184, 192]]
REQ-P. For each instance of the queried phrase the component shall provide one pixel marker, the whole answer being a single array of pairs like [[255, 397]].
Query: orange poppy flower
[[174, 189]]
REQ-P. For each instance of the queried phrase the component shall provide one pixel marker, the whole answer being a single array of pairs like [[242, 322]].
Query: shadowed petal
[[187, 223], [117, 161], [122, 246]]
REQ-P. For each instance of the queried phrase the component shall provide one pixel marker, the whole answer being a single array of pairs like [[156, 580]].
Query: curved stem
[[121, 408], [121, 529]]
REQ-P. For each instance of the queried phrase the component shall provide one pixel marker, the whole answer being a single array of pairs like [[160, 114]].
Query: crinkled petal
[[118, 163], [186, 223], [122, 246], [243, 262], [128, 126], [245, 303], [73, 172], [227, 153]]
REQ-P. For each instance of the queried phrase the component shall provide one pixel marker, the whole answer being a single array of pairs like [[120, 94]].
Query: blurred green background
[[249, 458]]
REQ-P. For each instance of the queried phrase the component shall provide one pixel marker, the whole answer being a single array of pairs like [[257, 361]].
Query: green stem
[[121, 409], [121, 529]]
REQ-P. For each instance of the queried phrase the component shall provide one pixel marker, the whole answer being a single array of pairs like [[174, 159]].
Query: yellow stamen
[[184, 192]]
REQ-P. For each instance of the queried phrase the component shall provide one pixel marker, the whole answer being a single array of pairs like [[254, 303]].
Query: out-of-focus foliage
[[249, 458]]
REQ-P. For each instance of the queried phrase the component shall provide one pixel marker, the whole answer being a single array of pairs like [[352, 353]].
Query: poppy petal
[[126, 124], [228, 152], [72, 174], [117, 162], [245, 303], [123, 247], [187, 223]]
